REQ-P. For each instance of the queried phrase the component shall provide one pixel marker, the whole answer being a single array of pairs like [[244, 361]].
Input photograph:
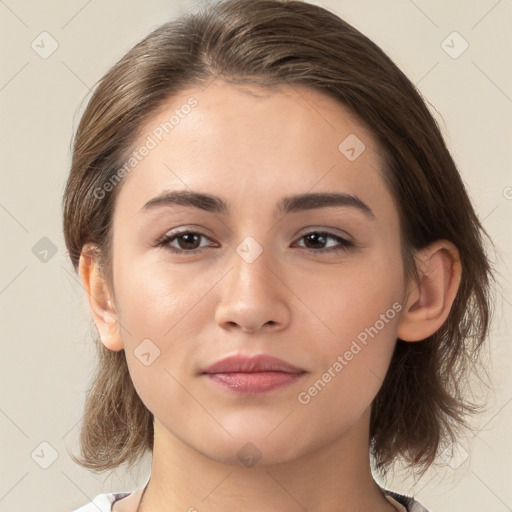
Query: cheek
[[163, 311], [352, 363], [359, 314], [353, 298], [156, 300]]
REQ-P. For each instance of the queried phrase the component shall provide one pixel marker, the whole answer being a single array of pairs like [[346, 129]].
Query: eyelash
[[166, 239]]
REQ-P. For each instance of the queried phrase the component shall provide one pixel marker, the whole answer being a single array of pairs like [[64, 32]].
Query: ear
[[428, 304], [100, 300]]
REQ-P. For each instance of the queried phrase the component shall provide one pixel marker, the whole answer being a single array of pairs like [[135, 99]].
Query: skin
[[252, 147]]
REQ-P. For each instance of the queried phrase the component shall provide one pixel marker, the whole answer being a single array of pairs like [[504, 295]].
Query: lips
[[245, 364], [252, 375]]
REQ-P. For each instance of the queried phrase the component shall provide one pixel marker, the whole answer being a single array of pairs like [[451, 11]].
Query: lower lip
[[255, 382]]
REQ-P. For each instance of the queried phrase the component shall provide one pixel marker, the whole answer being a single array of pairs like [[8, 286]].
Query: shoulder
[[410, 504], [102, 502]]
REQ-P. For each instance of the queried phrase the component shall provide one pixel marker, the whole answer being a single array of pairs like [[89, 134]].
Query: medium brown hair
[[422, 402]]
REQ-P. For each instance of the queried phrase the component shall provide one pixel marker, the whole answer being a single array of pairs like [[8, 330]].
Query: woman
[[286, 273]]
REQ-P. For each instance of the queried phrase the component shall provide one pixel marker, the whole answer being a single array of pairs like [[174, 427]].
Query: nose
[[253, 296]]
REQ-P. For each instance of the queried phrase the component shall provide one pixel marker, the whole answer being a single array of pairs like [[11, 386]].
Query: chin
[[253, 450]]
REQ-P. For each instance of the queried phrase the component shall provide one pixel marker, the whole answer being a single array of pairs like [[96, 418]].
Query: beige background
[[45, 325]]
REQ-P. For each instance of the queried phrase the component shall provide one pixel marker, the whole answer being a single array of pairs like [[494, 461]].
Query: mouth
[[258, 374]]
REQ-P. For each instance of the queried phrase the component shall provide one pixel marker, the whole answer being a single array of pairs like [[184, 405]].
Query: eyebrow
[[290, 204]]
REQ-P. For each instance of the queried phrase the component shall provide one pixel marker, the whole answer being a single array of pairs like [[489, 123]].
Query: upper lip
[[250, 364]]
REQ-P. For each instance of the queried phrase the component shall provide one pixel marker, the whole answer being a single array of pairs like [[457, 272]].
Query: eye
[[186, 240], [315, 238], [189, 242]]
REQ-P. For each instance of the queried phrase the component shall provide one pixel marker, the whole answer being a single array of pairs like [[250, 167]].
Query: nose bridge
[[250, 262], [251, 295]]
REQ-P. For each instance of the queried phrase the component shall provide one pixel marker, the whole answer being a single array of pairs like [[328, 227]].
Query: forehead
[[246, 142]]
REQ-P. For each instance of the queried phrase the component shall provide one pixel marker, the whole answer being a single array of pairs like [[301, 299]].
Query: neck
[[335, 477]]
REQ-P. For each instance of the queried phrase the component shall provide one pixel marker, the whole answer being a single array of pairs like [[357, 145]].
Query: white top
[[104, 502]]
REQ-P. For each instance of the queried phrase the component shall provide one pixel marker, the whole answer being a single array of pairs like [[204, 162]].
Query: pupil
[[316, 237], [189, 238]]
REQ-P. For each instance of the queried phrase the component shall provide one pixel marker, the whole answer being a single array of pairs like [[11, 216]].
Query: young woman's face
[[317, 283]]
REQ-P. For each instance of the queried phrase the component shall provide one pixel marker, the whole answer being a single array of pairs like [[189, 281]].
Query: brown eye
[[188, 240], [184, 242], [316, 241]]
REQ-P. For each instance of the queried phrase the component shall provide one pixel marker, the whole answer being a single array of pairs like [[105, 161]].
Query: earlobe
[[428, 302], [99, 297]]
